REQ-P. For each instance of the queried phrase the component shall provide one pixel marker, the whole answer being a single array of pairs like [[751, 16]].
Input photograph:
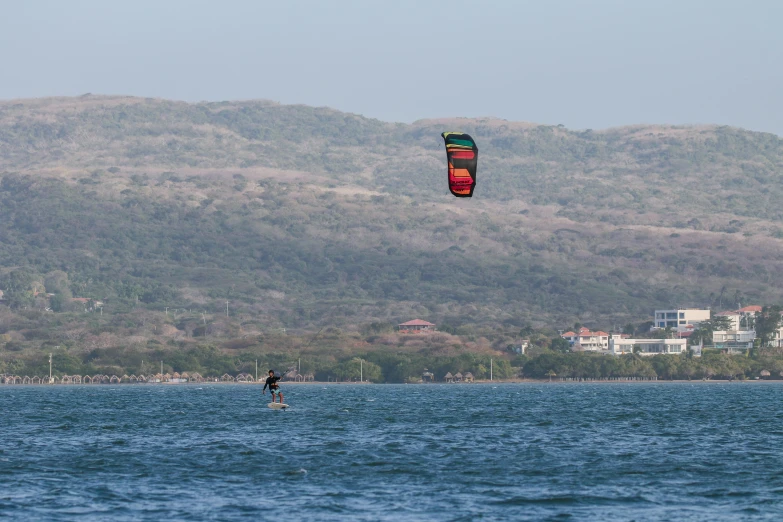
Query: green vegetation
[[380, 366], [309, 220], [712, 365]]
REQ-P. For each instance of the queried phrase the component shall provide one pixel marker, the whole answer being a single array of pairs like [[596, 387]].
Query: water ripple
[[523, 452]]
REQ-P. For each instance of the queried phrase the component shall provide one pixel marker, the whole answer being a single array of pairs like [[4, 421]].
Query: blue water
[[656, 451]]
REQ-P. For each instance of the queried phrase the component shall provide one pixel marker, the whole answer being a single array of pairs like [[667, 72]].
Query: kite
[[462, 154]]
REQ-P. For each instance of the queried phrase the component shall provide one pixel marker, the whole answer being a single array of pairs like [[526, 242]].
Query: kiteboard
[[277, 406]]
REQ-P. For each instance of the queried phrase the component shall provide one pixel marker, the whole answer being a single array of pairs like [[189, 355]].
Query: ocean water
[[628, 451]]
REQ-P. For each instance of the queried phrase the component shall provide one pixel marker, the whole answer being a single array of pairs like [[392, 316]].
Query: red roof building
[[415, 326], [588, 341]]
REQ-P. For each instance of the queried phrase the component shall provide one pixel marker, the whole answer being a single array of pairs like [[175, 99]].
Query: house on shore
[[620, 346], [680, 319], [416, 326], [587, 341]]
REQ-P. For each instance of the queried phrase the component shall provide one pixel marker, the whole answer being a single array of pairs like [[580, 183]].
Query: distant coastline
[[356, 383]]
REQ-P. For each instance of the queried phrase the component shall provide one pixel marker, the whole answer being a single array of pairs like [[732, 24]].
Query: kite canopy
[[462, 154]]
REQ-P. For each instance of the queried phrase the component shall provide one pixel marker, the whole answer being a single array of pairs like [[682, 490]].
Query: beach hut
[[448, 377], [309, 377], [76, 379], [226, 378], [114, 379], [125, 378], [427, 376], [87, 379], [35, 380], [67, 379], [458, 377], [26, 380], [195, 377], [97, 379], [468, 377], [764, 373]]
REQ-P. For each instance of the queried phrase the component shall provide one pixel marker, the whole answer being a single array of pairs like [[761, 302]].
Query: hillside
[[303, 217]]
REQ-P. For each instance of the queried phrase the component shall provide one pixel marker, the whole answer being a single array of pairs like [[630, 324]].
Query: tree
[[767, 323], [356, 368], [61, 301], [748, 322], [526, 331], [703, 332], [720, 322], [56, 281], [376, 328], [18, 287], [559, 344]]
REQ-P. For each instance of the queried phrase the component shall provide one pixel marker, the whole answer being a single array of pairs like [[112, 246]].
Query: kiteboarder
[[271, 381]]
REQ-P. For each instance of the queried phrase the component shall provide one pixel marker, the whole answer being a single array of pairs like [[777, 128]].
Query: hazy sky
[[585, 64]]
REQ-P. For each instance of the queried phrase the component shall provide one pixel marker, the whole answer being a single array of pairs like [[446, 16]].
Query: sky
[[584, 64]]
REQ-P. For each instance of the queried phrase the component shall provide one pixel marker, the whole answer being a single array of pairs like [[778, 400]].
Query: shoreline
[[481, 383]]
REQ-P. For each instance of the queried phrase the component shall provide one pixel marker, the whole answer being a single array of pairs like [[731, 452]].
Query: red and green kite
[[462, 154]]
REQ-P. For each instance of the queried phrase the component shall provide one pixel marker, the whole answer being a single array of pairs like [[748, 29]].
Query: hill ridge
[[323, 205]]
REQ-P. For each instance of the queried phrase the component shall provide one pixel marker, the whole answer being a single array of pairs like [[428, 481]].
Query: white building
[[619, 346], [776, 340], [520, 346], [733, 336], [734, 317], [733, 341], [742, 319], [681, 319], [587, 341], [748, 314]]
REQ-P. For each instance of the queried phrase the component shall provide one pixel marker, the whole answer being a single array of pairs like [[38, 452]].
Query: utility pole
[[256, 370], [490, 369], [167, 311], [299, 370], [50, 368], [361, 370], [226, 308]]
